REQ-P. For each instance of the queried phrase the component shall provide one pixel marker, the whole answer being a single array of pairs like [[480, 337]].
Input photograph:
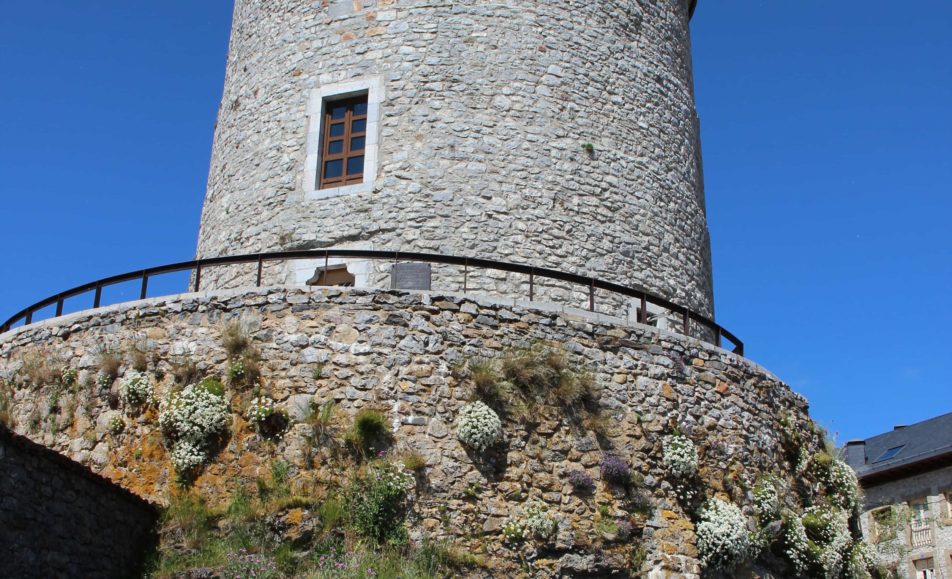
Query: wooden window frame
[[346, 153]]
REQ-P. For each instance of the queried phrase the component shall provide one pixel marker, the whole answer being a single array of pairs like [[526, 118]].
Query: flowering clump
[[103, 380], [581, 481], [819, 543], [136, 390], [767, 498], [243, 565], [68, 377], [478, 426], [842, 484], [268, 419], [191, 420], [116, 425], [615, 469], [260, 409], [679, 455], [377, 502], [537, 524], [723, 540]]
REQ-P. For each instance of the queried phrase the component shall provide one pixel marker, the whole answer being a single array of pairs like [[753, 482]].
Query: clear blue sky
[[827, 131]]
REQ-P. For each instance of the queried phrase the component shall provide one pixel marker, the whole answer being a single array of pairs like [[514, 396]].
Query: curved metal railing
[[196, 267]]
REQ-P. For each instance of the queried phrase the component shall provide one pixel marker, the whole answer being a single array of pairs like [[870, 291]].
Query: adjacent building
[[907, 477]]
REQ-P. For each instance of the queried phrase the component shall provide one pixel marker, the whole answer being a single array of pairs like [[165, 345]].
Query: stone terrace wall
[[396, 351], [57, 519]]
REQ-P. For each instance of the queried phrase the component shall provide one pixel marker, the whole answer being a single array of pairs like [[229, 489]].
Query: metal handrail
[[196, 266]]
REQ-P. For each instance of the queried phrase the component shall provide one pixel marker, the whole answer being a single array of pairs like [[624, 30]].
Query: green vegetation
[[265, 535], [369, 434], [524, 380], [6, 405], [109, 363]]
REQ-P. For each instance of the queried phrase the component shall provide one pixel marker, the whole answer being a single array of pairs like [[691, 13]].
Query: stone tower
[[555, 133]]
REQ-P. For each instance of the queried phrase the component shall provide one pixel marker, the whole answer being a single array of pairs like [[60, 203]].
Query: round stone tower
[[556, 133]]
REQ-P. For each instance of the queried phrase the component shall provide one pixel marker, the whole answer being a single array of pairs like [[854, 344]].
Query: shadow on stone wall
[[58, 519]]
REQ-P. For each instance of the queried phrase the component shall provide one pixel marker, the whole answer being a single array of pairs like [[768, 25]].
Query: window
[[344, 142], [342, 138], [920, 524], [336, 275], [891, 453], [925, 568]]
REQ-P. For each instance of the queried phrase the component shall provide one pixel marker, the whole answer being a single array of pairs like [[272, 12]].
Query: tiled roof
[[902, 447]]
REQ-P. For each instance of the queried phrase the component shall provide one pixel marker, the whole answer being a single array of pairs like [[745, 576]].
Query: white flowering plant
[[191, 421], [767, 501], [819, 543], [723, 540], [842, 485], [68, 376], [135, 391], [538, 524], [478, 426], [679, 455], [269, 419], [103, 380], [116, 425]]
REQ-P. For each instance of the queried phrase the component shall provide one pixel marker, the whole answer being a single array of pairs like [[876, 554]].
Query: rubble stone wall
[[400, 352], [57, 519], [557, 133]]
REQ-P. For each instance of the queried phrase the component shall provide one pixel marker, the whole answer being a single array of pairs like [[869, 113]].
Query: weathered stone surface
[[58, 519], [467, 498], [485, 110]]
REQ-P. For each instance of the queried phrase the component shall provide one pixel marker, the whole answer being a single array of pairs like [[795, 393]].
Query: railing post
[[591, 296], [28, 319], [327, 261], [531, 284], [687, 322], [260, 264], [717, 336], [198, 277], [643, 310], [59, 308], [97, 299], [145, 287]]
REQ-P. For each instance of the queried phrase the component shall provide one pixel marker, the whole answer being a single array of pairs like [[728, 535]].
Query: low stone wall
[[399, 352], [57, 519]]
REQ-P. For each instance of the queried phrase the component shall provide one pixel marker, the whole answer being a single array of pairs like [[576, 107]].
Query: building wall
[[484, 111], [59, 520], [935, 487], [396, 351]]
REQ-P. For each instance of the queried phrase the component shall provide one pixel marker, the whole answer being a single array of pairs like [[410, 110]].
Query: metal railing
[[589, 284]]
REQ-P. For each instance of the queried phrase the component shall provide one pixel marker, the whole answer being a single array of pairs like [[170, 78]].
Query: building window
[[336, 275], [344, 142], [920, 526], [342, 138], [925, 568]]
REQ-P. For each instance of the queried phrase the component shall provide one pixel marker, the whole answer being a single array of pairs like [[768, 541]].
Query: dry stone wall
[[57, 519], [400, 352], [485, 110]]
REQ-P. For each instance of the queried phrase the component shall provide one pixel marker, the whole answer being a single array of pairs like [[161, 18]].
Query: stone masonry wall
[[484, 114], [935, 488], [397, 352], [57, 519]]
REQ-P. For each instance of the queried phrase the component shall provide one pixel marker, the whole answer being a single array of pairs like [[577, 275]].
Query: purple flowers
[[581, 481], [615, 469], [245, 565]]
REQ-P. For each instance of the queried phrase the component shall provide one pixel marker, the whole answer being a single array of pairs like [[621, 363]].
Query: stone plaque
[[410, 276]]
